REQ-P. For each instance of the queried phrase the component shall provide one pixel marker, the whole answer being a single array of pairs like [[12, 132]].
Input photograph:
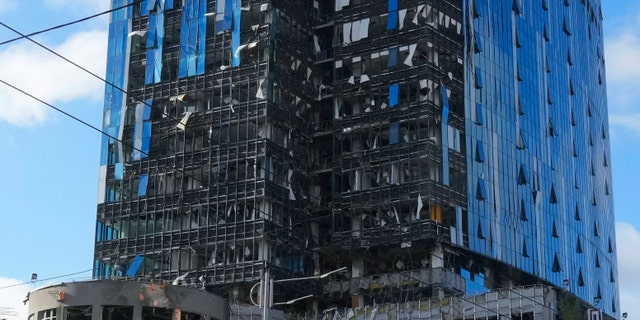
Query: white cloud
[[625, 123], [7, 4], [622, 49], [628, 242], [12, 298], [80, 5], [623, 69], [49, 78]]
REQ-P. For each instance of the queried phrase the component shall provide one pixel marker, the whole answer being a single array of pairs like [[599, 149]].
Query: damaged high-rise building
[[432, 147]]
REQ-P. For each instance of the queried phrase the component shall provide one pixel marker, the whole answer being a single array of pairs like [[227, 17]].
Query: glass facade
[[432, 146], [536, 118]]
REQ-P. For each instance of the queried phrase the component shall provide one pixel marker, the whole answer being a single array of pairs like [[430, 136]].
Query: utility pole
[[266, 294], [266, 290]]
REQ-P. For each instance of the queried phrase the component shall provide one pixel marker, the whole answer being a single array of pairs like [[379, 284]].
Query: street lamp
[[292, 300], [266, 289]]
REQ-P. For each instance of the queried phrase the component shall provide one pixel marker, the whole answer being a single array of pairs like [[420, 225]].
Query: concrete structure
[[433, 147], [116, 300]]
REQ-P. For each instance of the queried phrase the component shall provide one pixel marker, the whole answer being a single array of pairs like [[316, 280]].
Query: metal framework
[[280, 155]]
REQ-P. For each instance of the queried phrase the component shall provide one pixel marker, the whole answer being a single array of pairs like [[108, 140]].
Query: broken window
[[116, 312], [78, 313]]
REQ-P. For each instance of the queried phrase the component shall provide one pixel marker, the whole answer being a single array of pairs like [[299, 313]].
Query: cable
[[95, 76], [83, 122], [68, 114], [99, 78], [47, 279], [69, 23], [109, 83], [60, 56]]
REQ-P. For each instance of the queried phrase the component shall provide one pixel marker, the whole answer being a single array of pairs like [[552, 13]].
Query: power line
[[95, 76], [47, 279], [70, 23], [107, 82], [83, 122], [68, 114]]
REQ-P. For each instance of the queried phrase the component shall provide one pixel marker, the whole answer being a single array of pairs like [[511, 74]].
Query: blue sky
[[49, 163]]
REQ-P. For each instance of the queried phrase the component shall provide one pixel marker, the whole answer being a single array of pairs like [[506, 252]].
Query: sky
[[49, 163]]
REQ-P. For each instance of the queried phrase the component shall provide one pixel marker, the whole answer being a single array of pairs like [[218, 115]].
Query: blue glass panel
[[394, 133], [394, 95], [104, 152], [445, 97], [141, 132], [224, 10], [479, 114], [149, 72], [151, 34], [478, 76], [151, 5], [99, 231], [134, 266], [444, 131], [186, 46], [393, 57], [146, 139], [168, 4], [478, 43], [480, 152], [202, 37], [235, 36], [393, 5], [119, 171], [142, 185], [158, 51], [97, 274], [481, 190], [191, 65], [146, 113], [228, 14], [392, 20], [191, 60], [116, 73], [144, 7], [109, 233], [157, 70]]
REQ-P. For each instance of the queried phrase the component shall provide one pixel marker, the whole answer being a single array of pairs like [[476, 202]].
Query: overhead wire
[[110, 84], [93, 74], [47, 279], [82, 122], [67, 114], [107, 82], [70, 23]]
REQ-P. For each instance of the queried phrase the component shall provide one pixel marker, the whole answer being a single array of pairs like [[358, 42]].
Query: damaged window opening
[[117, 312]]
